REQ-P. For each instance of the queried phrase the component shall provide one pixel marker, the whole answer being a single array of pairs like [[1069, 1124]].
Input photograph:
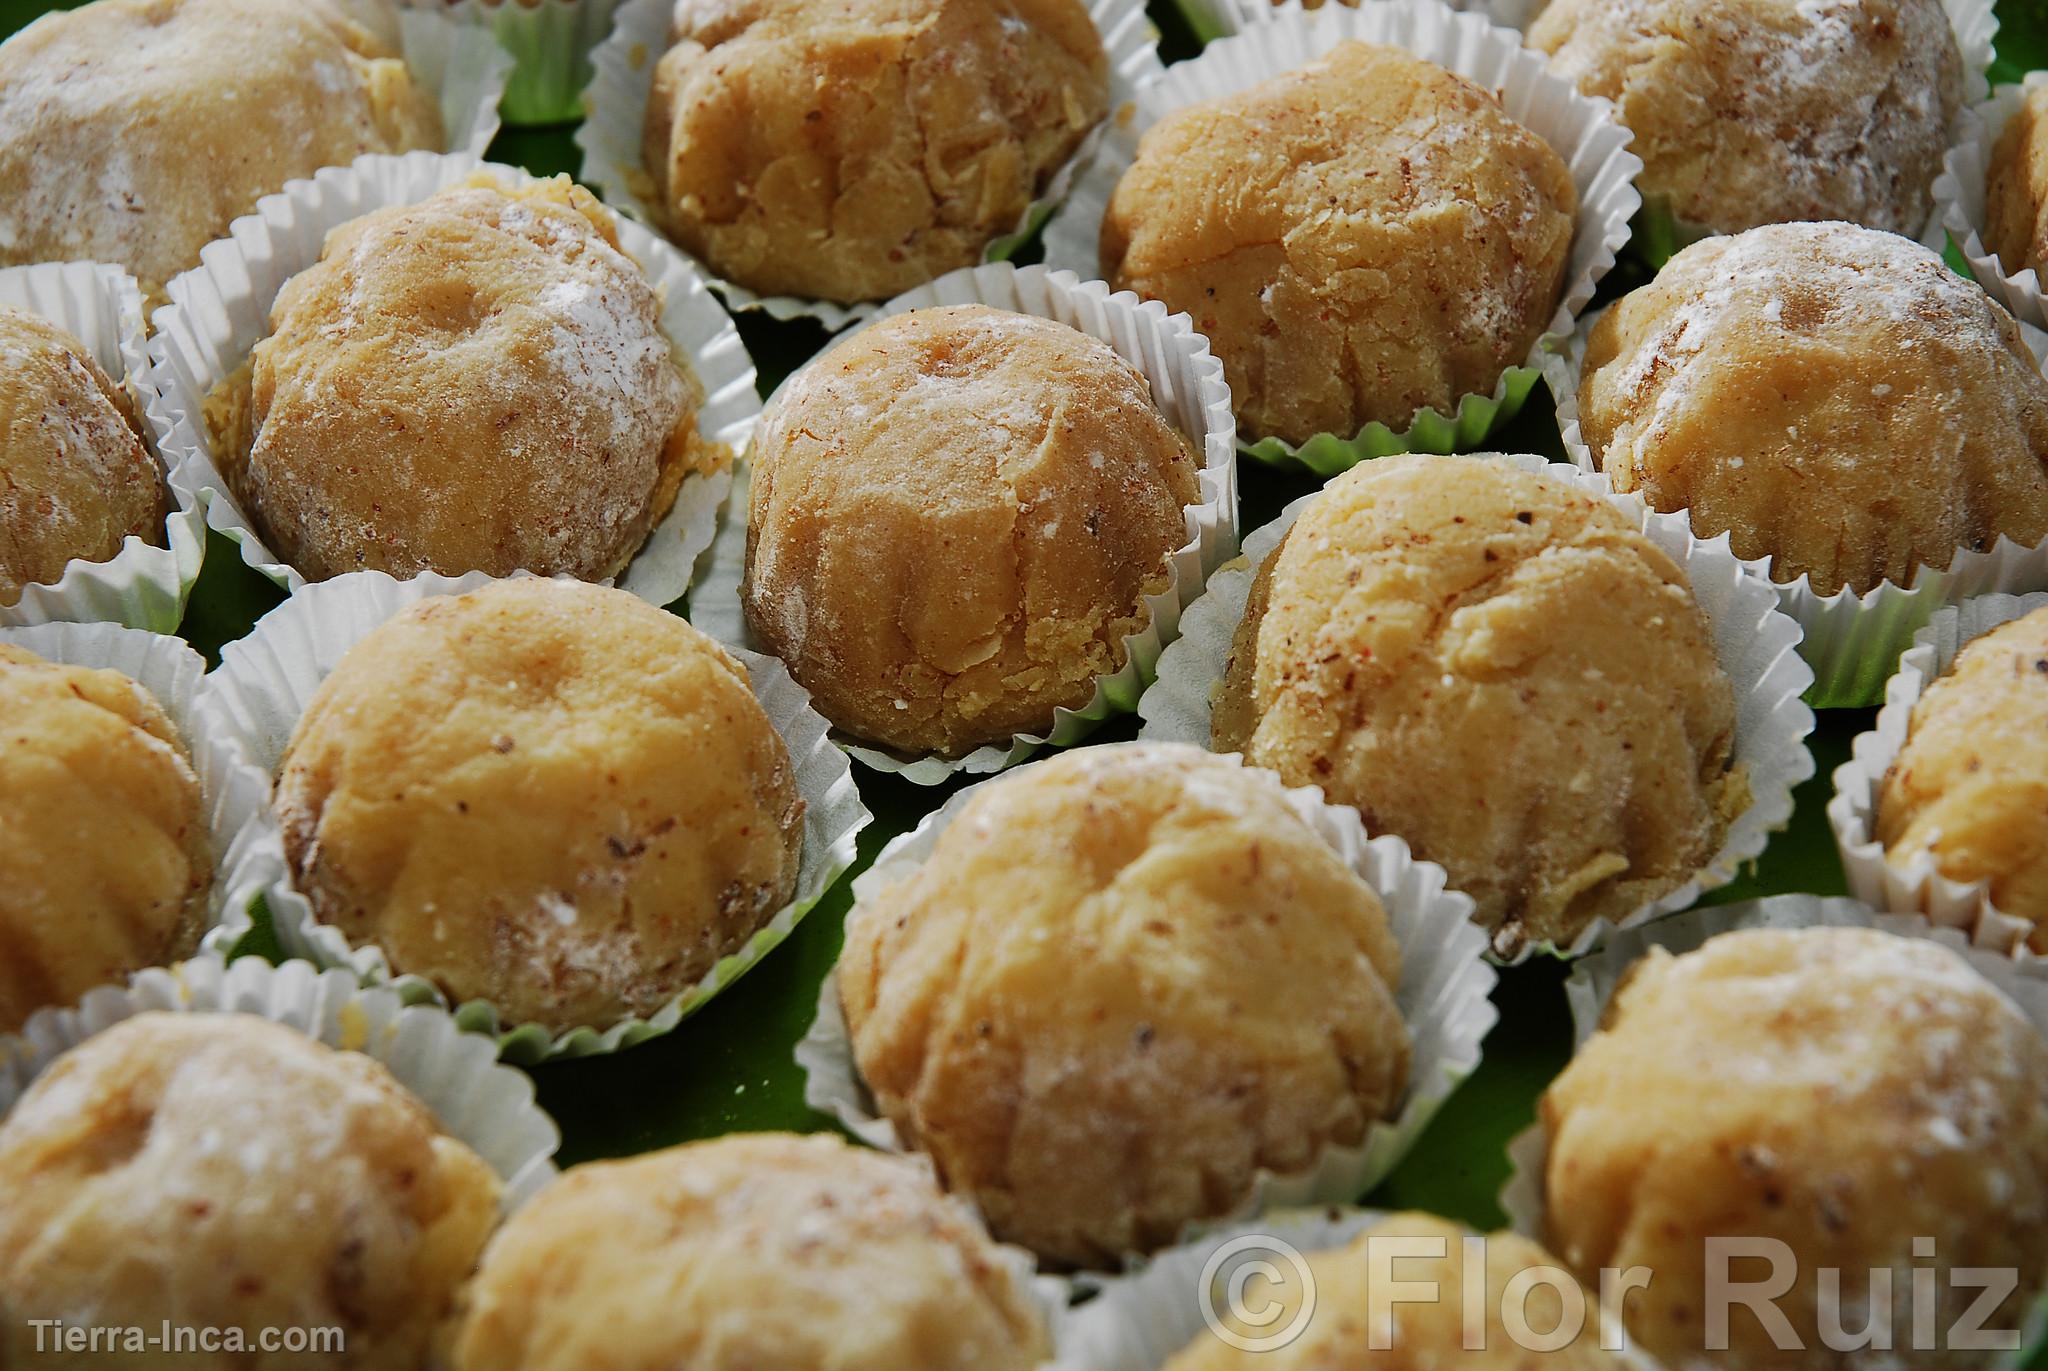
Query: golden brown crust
[[552, 796], [1359, 239], [853, 149], [2016, 188], [1123, 982]]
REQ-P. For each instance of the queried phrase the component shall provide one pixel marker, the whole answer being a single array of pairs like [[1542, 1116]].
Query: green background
[[730, 1069]]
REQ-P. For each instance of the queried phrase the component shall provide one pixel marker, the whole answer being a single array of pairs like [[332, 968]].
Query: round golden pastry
[[1841, 1091], [1124, 981], [1499, 668], [1970, 786], [744, 1253], [1360, 239], [136, 131], [1832, 398], [75, 478], [852, 149], [105, 856], [1427, 1321], [548, 795], [2016, 188], [222, 1171], [955, 518], [477, 382], [1750, 112]]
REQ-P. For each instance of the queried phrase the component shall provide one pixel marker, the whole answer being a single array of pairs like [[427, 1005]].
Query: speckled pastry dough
[[1123, 982], [1358, 239], [135, 131], [1841, 1091], [1833, 398], [105, 857], [852, 149], [742, 1254], [956, 515], [1970, 786], [1750, 112], [75, 478], [1500, 669], [2016, 188], [220, 1171], [552, 796]]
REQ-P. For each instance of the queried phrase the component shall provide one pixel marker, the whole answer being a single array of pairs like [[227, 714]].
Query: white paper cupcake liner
[[1755, 642], [1443, 998], [1594, 980], [549, 42], [1187, 384], [1213, 19], [1852, 641], [266, 680], [143, 585], [455, 1074], [616, 102], [1581, 128], [1918, 887], [462, 67]]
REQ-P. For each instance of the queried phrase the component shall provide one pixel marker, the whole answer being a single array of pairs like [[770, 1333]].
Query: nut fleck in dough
[[1833, 398], [75, 478], [477, 382], [1426, 1333], [1750, 112], [105, 857], [1125, 981], [1500, 669], [1841, 1091], [852, 149], [749, 1253], [1360, 239], [955, 517], [552, 796], [2016, 188], [1970, 786], [222, 1171], [135, 131]]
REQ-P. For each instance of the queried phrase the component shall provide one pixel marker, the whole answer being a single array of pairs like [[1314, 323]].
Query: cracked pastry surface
[[477, 382], [955, 516], [222, 1171], [744, 1253], [105, 856], [135, 131], [1970, 786], [1360, 238], [1499, 668], [552, 796], [851, 149], [1123, 982], [75, 477], [1842, 1091], [1750, 112], [1831, 397]]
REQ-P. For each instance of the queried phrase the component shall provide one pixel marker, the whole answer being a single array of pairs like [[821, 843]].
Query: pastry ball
[[478, 382], [1970, 786], [136, 131], [2016, 188], [105, 856], [223, 1171], [851, 149], [1125, 981], [1841, 1091], [1360, 239], [552, 796], [1750, 112], [956, 516], [1426, 1332], [1499, 668], [1832, 398], [75, 478], [743, 1254]]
